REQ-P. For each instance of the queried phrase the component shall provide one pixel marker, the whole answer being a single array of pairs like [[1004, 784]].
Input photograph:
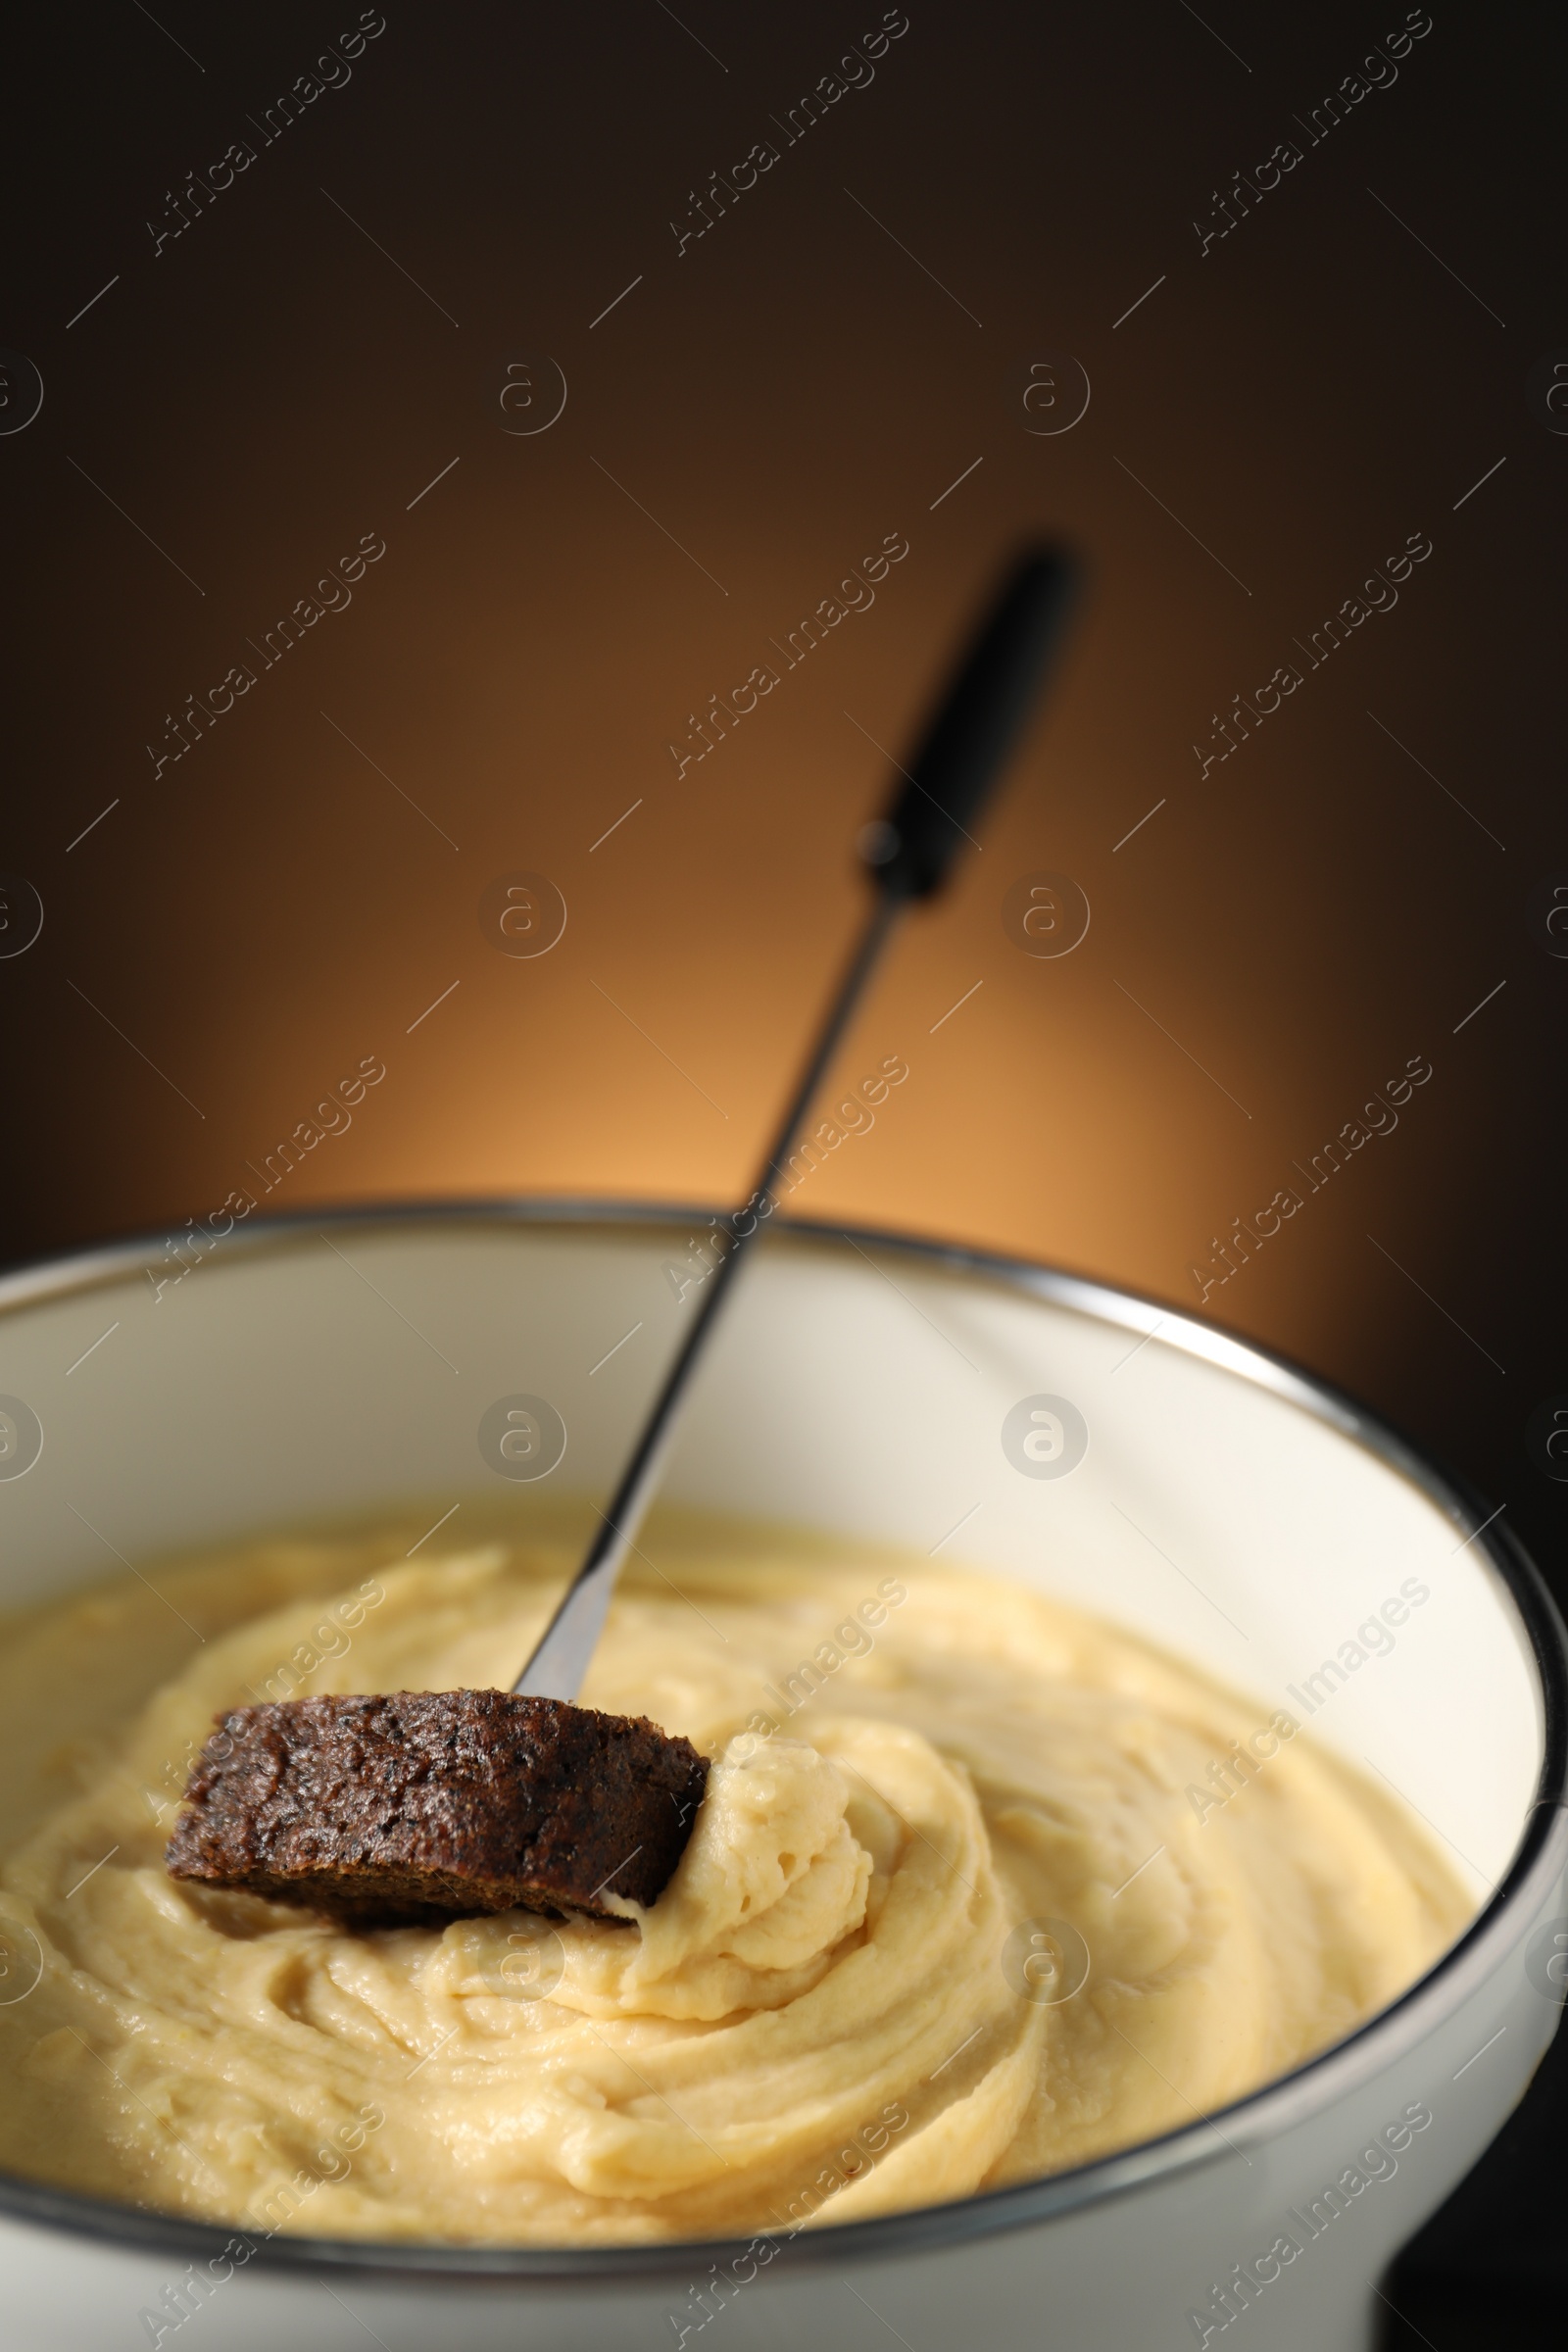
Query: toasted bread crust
[[406, 1808]]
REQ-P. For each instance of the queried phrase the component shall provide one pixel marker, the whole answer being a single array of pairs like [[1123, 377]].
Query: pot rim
[[1541, 1857]]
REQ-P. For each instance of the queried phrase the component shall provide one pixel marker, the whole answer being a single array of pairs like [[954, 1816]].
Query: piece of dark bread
[[403, 1809]]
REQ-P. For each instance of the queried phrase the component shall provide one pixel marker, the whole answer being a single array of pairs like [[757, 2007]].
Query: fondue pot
[[1123, 1457]]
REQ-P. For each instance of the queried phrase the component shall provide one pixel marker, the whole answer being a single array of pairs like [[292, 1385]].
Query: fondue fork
[[908, 854]]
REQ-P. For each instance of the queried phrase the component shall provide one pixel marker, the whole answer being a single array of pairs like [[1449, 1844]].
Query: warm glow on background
[[313, 362]]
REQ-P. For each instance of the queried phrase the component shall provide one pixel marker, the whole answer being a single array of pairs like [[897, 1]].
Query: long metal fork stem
[[558, 1665]]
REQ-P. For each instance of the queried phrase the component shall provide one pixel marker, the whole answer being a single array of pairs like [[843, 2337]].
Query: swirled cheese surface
[[981, 1888]]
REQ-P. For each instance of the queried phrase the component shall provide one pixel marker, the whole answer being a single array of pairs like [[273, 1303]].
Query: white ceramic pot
[[1226, 1506]]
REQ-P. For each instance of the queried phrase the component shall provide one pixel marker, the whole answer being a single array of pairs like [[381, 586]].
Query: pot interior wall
[[860, 1393]]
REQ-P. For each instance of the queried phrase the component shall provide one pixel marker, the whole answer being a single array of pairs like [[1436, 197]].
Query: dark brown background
[[791, 387]]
